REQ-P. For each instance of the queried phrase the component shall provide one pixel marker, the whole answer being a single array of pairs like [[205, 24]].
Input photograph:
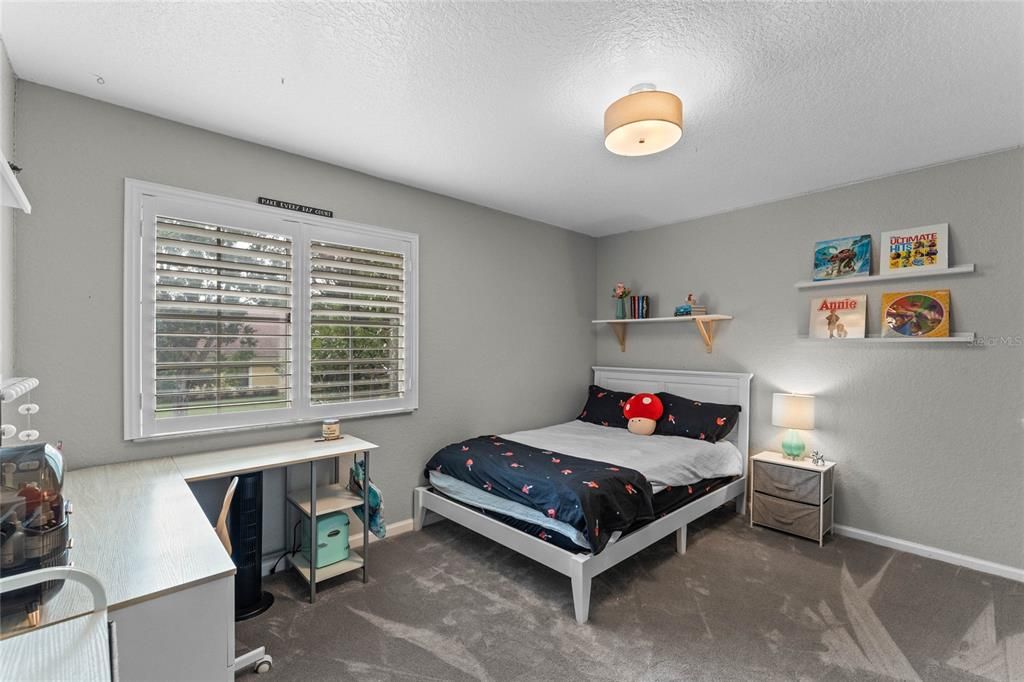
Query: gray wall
[[6, 222], [505, 303], [928, 436]]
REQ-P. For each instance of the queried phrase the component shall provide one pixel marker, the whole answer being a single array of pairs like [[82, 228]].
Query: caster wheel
[[264, 665]]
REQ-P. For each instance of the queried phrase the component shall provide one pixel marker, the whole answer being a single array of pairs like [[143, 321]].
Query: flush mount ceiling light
[[646, 121]]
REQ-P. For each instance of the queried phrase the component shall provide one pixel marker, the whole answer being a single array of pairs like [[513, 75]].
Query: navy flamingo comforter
[[595, 498]]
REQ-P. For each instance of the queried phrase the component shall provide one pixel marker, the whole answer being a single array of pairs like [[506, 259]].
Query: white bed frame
[[718, 387]]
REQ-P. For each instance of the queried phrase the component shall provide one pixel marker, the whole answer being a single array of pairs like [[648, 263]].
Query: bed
[[651, 508]]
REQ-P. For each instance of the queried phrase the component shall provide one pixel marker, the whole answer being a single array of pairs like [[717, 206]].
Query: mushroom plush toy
[[643, 412]]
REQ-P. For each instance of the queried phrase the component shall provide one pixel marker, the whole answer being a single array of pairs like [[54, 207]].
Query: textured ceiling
[[501, 104]]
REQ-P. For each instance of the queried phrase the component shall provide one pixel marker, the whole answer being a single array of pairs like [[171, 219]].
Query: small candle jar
[[331, 429]]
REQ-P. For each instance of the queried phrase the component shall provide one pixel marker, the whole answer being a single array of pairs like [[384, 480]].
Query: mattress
[[665, 461]]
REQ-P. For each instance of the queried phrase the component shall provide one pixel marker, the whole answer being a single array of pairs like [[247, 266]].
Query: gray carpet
[[447, 604]]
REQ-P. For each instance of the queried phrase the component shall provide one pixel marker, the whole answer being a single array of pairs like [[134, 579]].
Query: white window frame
[[143, 202]]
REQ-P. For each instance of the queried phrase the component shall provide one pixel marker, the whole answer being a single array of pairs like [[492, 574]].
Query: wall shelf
[[705, 325], [871, 279], [11, 193], [960, 337]]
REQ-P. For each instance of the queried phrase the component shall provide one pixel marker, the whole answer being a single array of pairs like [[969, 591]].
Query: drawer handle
[[785, 522], [787, 488]]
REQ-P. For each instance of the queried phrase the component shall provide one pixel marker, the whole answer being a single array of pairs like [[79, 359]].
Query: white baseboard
[[355, 541], [974, 563]]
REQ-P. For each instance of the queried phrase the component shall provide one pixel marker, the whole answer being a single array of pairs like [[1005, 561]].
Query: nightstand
[[792, 495]]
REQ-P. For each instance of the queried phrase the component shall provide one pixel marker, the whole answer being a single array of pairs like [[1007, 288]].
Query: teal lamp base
[[793, 445]]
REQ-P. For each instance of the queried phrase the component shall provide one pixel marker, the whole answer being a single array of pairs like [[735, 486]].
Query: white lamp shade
[[793, 411], [642, 123]]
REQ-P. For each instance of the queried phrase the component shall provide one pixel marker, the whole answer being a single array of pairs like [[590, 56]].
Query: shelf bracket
[[707, 331], [620, 333]]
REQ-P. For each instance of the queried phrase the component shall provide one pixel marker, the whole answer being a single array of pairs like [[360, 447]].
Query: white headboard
[[731, 388]]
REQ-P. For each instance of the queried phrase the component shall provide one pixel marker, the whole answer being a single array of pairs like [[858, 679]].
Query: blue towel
[[356, 476]]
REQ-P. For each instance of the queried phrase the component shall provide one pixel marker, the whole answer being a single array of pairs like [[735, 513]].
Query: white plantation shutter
[[357, 323], [239, 315], [223, 305]]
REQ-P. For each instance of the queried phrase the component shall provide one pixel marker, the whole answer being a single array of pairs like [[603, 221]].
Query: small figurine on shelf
[[817, 459], [620, 293], [695, 309]]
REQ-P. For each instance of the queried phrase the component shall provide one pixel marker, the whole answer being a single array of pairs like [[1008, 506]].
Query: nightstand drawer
[[792, 517], [791, 483]]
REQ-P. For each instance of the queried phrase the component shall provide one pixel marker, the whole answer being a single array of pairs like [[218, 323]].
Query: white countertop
[[260, 457], [137, 527]]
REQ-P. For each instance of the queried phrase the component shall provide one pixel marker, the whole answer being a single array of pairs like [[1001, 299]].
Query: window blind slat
[[199, 262], [324, 314], [171, 276], [335, 268], [330, 252], [213, 233], [323, 276], [220, 405], [395, 296], [212, 307], [352, 398], [279, 260], [175, 290]]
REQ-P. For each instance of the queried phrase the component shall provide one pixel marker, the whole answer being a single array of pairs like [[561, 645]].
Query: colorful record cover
[[845, 257], [916, 314], [838, 317], [918, 248]]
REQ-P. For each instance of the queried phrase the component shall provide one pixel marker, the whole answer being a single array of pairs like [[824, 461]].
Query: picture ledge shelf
[[960, 337], [869, 279], [705, 324]]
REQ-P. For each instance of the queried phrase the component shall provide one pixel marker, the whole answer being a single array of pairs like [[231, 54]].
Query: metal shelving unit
[[317, 501]]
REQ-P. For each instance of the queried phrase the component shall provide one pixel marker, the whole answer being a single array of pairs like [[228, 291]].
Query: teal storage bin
[[331, 536]]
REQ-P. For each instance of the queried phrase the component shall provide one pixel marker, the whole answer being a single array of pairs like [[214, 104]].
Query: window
[[238, 315]]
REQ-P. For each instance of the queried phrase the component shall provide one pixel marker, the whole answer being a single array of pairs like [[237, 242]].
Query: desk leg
[[366, 511], [312, 532]]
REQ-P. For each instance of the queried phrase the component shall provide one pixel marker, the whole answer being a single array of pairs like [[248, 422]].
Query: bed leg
[[418, 511], [681, 540], [581, 597], [741, 503]]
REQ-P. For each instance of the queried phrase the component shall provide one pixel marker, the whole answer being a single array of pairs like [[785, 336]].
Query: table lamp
[[792, 411]]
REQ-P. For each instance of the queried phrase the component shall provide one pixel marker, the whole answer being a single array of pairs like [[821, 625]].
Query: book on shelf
[[639, 307], [919, 248], [916, 314], [842, 258], [838, 317]]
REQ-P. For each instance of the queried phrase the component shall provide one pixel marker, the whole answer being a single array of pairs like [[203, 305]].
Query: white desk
[[169, 582]]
